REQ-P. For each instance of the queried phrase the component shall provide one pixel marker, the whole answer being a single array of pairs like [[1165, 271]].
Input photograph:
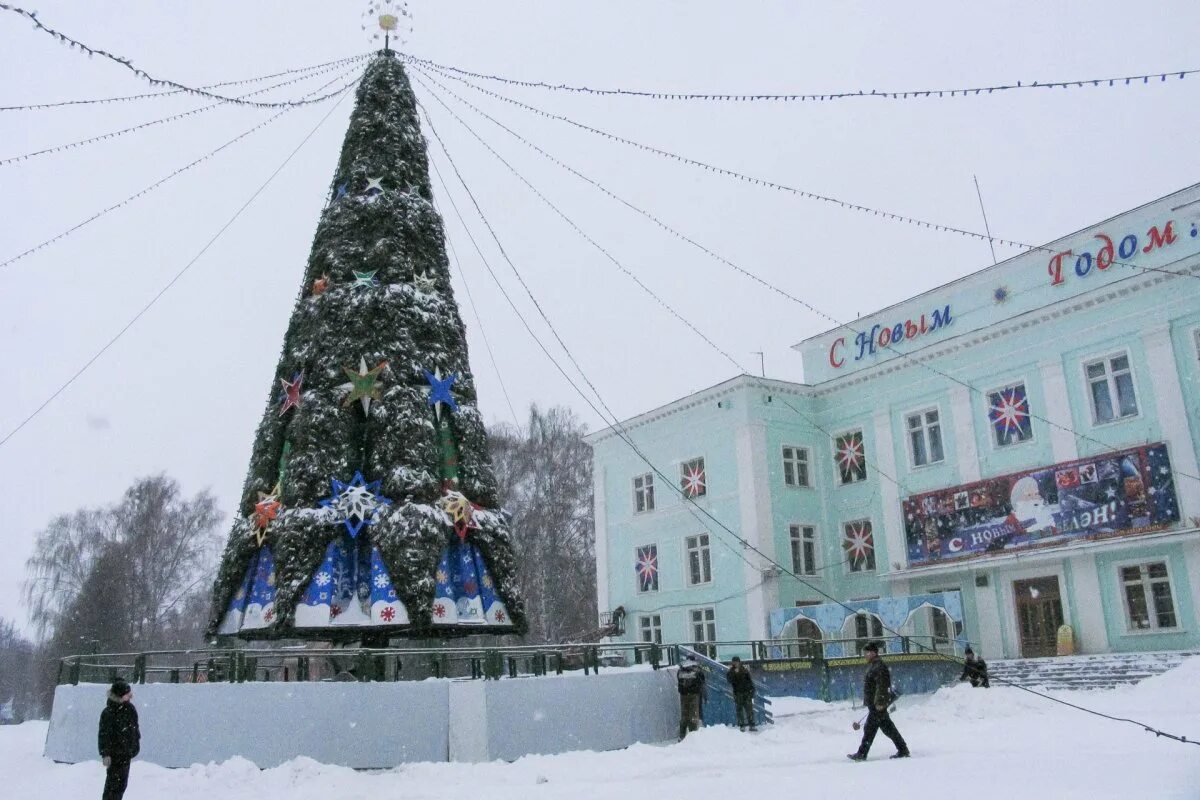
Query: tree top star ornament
[[374, 422]]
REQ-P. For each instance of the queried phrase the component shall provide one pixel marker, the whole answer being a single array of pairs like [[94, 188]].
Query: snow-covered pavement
[[967, 743]]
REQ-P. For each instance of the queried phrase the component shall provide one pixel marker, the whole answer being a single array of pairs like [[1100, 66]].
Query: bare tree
[[545, 477], [63, 557], [17, 695]]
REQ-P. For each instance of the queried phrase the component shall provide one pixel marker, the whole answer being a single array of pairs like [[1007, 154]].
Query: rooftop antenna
[[979, 194], [762, 363]]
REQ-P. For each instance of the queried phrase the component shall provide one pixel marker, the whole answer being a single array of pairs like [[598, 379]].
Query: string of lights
[[752, 97], [114, 134], [744, 272], [129, 97], [983, 237], [75, 44], [178, 275], [166, 178], [689, 501]]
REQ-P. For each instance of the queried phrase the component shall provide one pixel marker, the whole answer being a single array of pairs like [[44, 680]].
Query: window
[[1149, 604], [851, 457], [925, 437], [1196, 336], [859, 544], [650, 629], [704, 630], [867, 628], [1110, 384], [1008, 411], [692, 478], [795, 466], [647, 568], [643, 492], [699, 560], [804, 549]]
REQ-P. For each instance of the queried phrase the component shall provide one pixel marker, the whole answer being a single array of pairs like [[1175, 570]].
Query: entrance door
[[1039, 615]]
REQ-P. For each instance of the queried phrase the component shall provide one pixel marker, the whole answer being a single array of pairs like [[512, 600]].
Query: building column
[[966, 450], [1173, 417], [754, 507], [601, 522], [889, 495], [1058, 411], [1091, 633]]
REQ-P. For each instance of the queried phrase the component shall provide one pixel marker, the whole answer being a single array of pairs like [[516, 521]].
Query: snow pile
[[978, 743]]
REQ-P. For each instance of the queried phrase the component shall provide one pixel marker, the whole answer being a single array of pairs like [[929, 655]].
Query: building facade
[[988, 461]]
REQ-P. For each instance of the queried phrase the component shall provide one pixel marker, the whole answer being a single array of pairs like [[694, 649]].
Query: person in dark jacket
[[742, 686], [877, 694], [974, 670], [690, 681], [120, 740]]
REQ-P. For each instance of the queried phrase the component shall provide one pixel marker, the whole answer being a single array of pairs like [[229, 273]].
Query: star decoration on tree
[[266, 510], [499, 616], [424, 282], [320, 285], [461, 511], [365, 280], [363, 385], [387, 614], [291, 392], [439, 391], [374, 185], [859, 541], [356, 503]]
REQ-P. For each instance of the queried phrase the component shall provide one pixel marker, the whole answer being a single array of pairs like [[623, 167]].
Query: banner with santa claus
[[1119, 493]]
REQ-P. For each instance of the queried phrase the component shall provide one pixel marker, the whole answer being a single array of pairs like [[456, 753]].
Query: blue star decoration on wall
[[439, 389], [356, 503], [1000, 294]]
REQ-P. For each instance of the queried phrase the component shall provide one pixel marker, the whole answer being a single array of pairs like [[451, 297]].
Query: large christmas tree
[[369, 510]]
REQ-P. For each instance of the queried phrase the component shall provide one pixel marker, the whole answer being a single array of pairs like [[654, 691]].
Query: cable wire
[[788, 189], [175, 279], [164, 179], [900, 94], [124, 62], [129, 97]]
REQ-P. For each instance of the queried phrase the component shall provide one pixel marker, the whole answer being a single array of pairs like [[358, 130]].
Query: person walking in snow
[[119, 738], [690, 681], [974, 670], [742, 686], [877, 694]]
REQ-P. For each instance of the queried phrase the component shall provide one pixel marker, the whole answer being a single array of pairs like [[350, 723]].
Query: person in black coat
[[877, 694], [742, 686], [690, 682], [974, 670], [119, 739]]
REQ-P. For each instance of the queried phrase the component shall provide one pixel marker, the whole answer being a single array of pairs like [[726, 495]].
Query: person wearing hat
[[119, 738], [690, 681], [877, 694], [974, 670], [742, 686]]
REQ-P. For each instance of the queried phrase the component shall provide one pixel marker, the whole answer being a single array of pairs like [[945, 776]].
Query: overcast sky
[[184, 389]]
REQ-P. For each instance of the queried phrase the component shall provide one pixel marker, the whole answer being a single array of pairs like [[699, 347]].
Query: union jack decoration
[[647, 568], [1009, 413], [851, 457]]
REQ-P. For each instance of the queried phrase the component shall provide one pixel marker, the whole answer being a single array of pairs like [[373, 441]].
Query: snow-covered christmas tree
[[369, 510]]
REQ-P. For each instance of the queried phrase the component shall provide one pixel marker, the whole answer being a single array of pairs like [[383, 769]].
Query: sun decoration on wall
[[851, 456], [1009, 413], [1000, 294], [693, 479], [859, 541]]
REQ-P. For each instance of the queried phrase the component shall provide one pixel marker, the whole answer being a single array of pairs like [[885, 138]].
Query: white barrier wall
[[556, 714], [350, 724], [377, 725]]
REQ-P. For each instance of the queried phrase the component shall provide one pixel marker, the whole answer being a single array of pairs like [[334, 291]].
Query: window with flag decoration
[[851, 457], [692, 478], [859, 545], [1008, 411], [647, 568], [643, 492], [795, 466]]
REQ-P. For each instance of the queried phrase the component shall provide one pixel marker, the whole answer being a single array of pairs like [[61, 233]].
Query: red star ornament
[[320, 285], [291, 392], [265, 511]]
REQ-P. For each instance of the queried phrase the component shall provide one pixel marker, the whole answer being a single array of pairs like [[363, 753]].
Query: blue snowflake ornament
[[356, 503]]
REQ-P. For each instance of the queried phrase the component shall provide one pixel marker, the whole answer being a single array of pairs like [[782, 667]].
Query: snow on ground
[[966, 743]]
